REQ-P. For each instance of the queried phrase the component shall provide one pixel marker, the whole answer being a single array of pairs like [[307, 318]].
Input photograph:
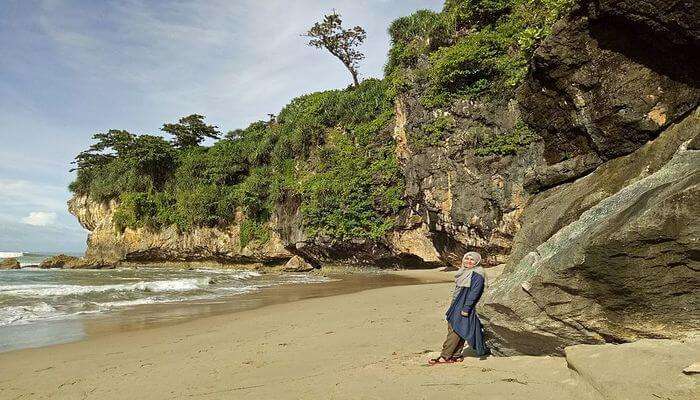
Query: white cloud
[[40, 218], [20, 194]]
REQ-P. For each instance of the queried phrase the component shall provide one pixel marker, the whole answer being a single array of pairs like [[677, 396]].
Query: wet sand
[[146, 316], [371, 344]]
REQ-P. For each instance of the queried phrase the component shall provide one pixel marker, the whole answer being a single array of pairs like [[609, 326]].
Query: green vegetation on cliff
[[472, 50], [331, 152], [333, 149], [472, 47]]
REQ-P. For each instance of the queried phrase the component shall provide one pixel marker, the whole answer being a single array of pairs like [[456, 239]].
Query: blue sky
[[69, 69]]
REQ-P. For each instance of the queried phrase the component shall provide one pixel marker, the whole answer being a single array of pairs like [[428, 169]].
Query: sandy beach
[[372, 344]]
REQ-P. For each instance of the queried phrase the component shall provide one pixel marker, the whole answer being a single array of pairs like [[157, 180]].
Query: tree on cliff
[[108, 145], [339, 41], [117, 153], [191, 131]]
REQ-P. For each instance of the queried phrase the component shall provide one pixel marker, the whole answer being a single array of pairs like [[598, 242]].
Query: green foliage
[[191, 131], [414, 36], [352, 194], [135, 210], [432, 132], [465, 68], [505, 144], [333, 149], [121, 162], [486, 50], [253, 231], [469, 14]]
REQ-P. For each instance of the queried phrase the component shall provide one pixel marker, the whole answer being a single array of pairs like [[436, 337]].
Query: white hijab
[[463, 277]]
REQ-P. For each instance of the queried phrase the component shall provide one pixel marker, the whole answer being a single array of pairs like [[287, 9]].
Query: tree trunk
[[354, 77]]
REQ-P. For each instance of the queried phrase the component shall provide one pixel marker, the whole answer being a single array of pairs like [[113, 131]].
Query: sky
[[70, 69]]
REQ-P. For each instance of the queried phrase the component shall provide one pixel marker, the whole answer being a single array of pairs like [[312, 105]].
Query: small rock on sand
[[297, 264]]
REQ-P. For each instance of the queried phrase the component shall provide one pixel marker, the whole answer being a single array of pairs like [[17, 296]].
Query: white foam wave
[[234, 273], [38, 290], [22, 314], [136, 302], [10, 254]]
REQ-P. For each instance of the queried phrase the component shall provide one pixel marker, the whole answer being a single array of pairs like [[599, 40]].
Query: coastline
[[370, 343], [145, 316], [338, 346]]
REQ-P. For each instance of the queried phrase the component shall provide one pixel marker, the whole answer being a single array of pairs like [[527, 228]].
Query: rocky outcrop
[[58, 261], [110, 245], [610, 257], [605, 250], [71, 262], [9, 263], [612, 76], [457, 199]]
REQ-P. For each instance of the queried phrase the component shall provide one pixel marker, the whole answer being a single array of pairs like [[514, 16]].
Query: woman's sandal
[[457, 358], [436, 361]]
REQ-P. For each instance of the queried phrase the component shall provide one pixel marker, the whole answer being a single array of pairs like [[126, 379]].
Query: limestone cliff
[[108, 244]]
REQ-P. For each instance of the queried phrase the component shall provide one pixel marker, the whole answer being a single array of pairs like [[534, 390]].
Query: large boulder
[[9, 263], [611, 257]]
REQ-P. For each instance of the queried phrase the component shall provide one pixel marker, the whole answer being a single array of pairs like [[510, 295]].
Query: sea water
[[30, 297]]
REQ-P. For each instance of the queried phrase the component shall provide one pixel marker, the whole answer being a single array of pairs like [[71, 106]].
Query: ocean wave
[[38, 290], [10, 254], [234, 273], [159, 300], [22, 314]]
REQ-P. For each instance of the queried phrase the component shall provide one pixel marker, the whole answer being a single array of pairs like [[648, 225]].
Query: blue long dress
[[468, 328]]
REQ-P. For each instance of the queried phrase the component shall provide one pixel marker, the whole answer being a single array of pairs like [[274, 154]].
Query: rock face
[[9, 263], [611, 257], [144, 245], [612, 76], [458, 200]]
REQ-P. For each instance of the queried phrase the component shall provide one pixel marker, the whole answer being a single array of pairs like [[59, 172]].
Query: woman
[[462, 321]]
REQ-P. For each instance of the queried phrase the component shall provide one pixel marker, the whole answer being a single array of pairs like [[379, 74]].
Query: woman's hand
[[464, 313]]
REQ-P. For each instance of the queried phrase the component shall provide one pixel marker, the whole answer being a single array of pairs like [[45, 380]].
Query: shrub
[[253, 231], [135, 210], [485, 52], [433, 132], [414, 36], [505, 144]]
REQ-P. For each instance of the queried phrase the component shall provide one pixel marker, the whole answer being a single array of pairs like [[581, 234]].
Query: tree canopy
[[191, 131], [340, 42]]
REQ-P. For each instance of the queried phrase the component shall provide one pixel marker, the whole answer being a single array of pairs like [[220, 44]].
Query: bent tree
[[340, 42]]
